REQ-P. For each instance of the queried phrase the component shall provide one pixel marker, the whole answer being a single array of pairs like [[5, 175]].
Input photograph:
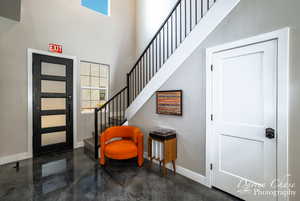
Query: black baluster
[[167, 39], [149, 60], [119, 109], [159, 50], [201, 9], [141, 76], [128, 84], [180, 22], [133, 84], [115, 105], [122, 104], [163, 45], [185, 20], [131, 88], [116, 111], [136, 82], [156, 53], [105, 120], [139, 79], [191, 14], [176, 43], [143, 62], [96, 134], [153, 59], [172, 34], [146, 67], [149, 64], [196, 11], [207, 5]]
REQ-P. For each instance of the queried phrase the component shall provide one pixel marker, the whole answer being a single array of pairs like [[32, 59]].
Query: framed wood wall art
[[169, 102]]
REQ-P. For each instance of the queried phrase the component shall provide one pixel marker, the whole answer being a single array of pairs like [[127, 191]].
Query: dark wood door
[[52, 104]]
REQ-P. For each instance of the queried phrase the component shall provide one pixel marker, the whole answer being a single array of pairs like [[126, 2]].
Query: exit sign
[[55, 48]]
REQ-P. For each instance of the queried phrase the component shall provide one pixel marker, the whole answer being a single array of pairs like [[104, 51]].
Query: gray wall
[[82, 32], [10, 9], [150, 14], [249, 18]]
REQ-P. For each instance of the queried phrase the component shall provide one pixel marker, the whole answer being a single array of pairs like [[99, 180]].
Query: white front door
[[244, 118]]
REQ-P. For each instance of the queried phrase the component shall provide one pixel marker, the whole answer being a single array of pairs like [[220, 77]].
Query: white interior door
[[244, 107]]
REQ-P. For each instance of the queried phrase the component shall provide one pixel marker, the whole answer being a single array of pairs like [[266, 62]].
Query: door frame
[[283, 39], [30, 53]]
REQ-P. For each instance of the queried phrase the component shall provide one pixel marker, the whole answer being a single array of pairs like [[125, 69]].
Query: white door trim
[[29, 106], [283, 38]]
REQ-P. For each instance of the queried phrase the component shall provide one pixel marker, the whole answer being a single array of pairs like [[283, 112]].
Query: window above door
[[100, 6]]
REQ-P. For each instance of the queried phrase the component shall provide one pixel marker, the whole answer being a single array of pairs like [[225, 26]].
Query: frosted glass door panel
[[53, 121], [53, 103], [53, 69], [53, 138], [53, 86]]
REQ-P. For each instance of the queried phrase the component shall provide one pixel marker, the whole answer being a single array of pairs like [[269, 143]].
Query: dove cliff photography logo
[[277, 187]]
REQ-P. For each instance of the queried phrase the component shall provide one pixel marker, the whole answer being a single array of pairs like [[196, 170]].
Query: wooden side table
[[169, 147]]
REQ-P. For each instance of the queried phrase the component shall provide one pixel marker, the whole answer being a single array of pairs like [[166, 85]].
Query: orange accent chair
[[130, 145]]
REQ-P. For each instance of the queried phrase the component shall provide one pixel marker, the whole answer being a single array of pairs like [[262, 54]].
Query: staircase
[[185, 28]]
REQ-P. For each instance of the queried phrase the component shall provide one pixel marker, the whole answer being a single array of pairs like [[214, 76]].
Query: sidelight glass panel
[[104, 71], [95, 94], [53, 69], [95, 82], [95, 70], [85, 104], [94, 85], [54, 138], [85, 81], [53, 86], [53, 103], [103, 83], [86, 94], [85, 68], [53, 121], [95, 104]]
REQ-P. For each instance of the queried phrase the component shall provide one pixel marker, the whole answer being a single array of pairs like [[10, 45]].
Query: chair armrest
[[136, 134], [102, 140]]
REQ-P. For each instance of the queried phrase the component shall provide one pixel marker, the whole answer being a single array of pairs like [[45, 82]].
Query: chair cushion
[[121, 149]]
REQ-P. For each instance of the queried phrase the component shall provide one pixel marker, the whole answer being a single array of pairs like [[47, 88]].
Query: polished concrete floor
[[73, 176]]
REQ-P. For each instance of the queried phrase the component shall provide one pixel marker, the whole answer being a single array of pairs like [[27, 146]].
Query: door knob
[[270, 133]]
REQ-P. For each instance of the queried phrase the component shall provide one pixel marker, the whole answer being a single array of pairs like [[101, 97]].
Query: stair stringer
[[206, 25]]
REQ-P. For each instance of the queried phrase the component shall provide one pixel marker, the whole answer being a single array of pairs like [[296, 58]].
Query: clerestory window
[[100, 6]]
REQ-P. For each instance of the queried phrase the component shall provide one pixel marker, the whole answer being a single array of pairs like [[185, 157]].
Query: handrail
[[156, 34], [99, 108]]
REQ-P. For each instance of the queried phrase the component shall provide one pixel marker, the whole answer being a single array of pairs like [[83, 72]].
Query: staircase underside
[[209, 22]]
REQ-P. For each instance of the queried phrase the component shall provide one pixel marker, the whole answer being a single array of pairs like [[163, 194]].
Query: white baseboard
[[26, 155], [15, 158], [186, 173], [79, 145]]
